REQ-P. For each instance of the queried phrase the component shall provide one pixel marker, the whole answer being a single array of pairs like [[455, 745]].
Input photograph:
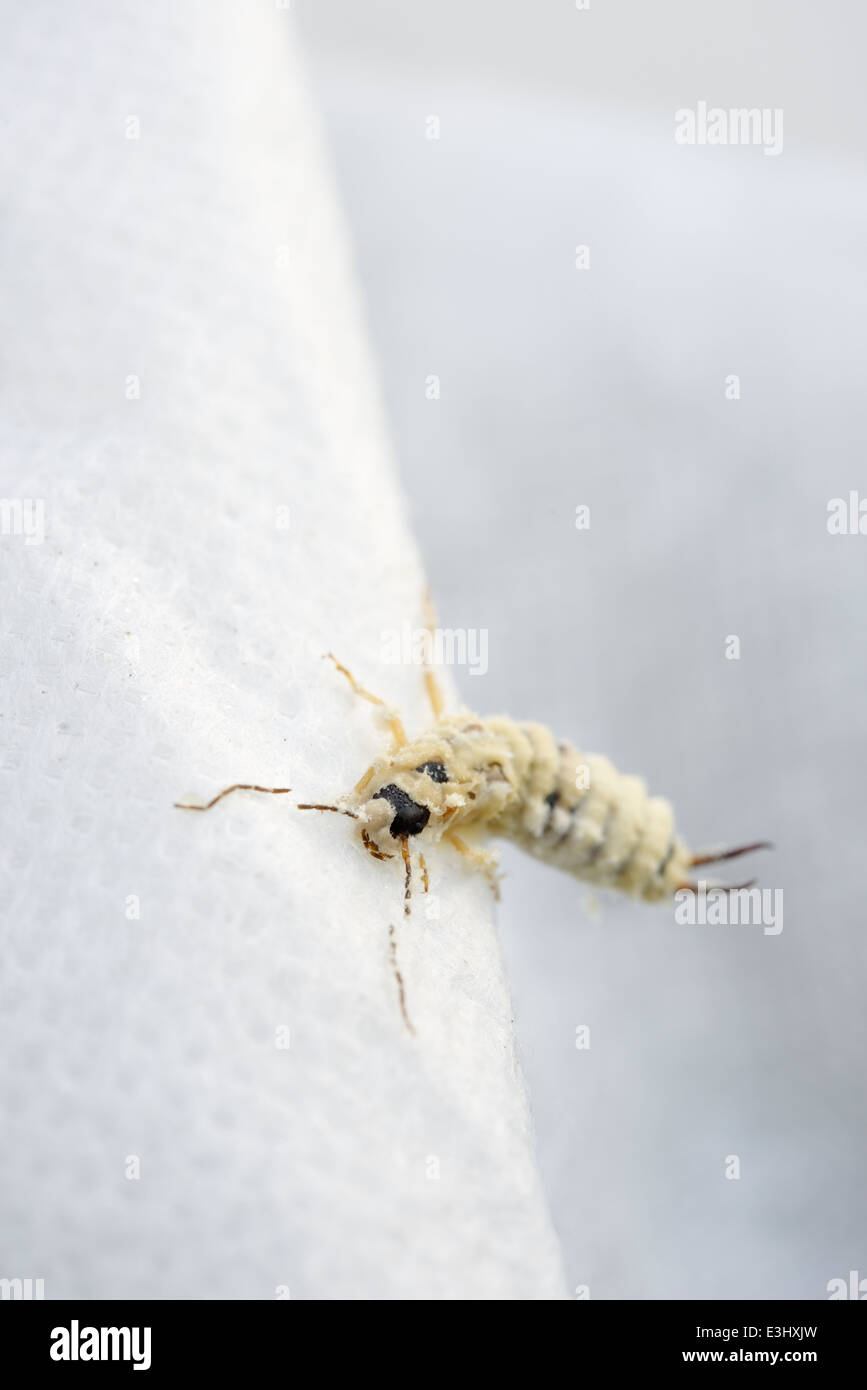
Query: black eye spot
[[435, 771], [410, 818]]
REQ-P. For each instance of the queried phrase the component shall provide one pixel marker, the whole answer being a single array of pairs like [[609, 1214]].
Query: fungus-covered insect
[[475, 777]]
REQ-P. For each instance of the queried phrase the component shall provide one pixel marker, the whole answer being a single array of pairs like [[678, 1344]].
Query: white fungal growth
[[494, 777]]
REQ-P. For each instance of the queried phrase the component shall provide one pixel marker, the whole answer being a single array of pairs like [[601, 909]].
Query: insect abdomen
[[578, 813]]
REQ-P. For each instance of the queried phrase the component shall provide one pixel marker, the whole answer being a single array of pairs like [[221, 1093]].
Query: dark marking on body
[[409, 818], [435, 771]]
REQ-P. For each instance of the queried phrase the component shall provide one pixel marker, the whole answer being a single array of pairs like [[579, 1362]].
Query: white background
[[606, 387]]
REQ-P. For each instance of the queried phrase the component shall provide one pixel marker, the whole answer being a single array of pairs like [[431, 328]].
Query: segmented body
[[498, 777], [578, 813]]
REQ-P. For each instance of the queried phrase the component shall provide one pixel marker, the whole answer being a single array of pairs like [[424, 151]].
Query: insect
[[468, 778]]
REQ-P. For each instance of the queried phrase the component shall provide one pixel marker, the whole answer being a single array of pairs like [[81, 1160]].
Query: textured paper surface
[[188, 388]]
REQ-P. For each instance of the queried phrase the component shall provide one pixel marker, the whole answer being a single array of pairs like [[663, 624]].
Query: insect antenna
[[237, 787], [716, 857], [407, 885], [308, 806], [371, 847], [392, 945]]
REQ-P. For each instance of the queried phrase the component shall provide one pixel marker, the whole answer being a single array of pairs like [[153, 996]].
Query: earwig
[[496, 777]]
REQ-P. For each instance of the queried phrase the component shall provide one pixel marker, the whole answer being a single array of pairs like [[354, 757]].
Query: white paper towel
[[188, 392]]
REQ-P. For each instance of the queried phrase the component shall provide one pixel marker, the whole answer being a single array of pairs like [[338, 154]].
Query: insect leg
[[482, 860], [425, 881], [432, 685], [363, 781], [398, 733], [237, 787]]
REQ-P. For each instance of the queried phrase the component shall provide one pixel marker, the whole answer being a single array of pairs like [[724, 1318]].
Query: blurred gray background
[[607, 387]]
